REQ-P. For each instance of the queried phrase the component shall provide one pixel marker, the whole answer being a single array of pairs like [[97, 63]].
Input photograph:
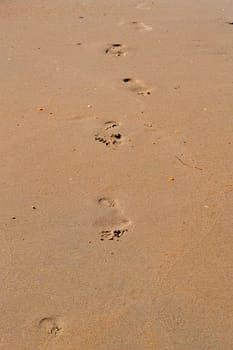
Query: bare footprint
[[106, 202], [137, 86], [110, 135], [140, 26], [112, 234], [112, 219], [51, 325], [116, 50]]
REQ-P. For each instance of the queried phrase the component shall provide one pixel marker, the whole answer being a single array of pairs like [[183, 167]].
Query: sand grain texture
[[116, 175]]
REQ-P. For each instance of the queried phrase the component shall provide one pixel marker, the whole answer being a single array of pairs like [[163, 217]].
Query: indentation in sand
[[141, 26], [106, 202], [109, 135], [51, 325], [116, 50], [112, 221], [138, 86], [112, 234]]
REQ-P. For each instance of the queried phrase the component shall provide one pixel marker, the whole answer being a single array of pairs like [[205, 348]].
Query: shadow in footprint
[[137, 86], [112, 234], [51, 325], [110, 136], [112, 219], [116, 50], [106, 202]]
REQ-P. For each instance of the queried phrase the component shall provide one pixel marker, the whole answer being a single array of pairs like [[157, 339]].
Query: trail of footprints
[[117, 49], [112, 223]]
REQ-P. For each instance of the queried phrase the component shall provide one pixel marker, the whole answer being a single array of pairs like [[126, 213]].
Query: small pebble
[[171, 179]]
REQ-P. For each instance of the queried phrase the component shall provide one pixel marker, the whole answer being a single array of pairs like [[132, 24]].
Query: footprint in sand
[[112, 234], [106, 202], [137, 86], [51, 325], [112, 219], [141, 27], [110, 135], [116, 50]]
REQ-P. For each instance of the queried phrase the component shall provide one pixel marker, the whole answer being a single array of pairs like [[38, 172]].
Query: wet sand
[[116, 175]]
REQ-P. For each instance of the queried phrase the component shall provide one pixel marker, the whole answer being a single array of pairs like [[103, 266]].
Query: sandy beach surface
[[116, 183]]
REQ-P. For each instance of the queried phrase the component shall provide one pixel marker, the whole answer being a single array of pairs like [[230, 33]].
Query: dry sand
[[116, 175]]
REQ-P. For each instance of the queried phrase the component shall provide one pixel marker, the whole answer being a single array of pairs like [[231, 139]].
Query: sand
[[116, 175]]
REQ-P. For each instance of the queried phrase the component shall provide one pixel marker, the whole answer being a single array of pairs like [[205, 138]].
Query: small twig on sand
[[188, 165]]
